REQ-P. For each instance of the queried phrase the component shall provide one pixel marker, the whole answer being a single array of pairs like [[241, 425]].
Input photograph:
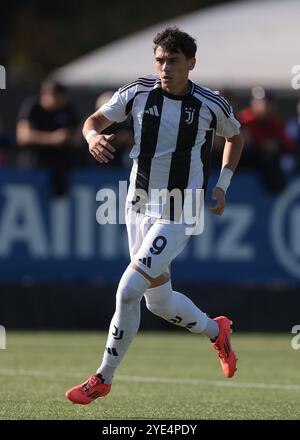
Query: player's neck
[[180, 90]]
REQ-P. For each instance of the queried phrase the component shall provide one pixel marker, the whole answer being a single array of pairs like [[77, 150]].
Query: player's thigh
[[162, 243], [137, 227]]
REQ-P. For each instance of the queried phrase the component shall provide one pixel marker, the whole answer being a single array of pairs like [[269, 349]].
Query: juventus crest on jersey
[[173, 134]]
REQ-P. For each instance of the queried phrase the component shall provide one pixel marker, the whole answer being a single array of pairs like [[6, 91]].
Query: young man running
[[174, 121]]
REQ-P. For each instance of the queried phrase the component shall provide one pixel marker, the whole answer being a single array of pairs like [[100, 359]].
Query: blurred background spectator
[[46, 128], [267, 146]]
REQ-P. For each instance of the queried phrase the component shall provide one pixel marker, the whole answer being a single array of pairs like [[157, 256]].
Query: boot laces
[[90, 383]]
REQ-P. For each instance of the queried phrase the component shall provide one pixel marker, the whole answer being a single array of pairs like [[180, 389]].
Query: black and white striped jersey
[[173, 134]]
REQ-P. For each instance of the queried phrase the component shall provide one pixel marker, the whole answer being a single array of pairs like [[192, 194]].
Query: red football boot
[[89, 390], [222, 345]]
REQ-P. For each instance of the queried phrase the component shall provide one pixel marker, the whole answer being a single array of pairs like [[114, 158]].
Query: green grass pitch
[[167, 375]]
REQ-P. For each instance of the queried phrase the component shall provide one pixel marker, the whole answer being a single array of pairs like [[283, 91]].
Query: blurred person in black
[[47, 125], [266, 144]]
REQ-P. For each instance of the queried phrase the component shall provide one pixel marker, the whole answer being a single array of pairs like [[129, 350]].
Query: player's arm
[[99, 144], [232, 152], [231, 156]]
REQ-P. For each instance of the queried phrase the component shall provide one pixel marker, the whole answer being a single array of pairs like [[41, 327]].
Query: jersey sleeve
[[227, 124], [117, 108]]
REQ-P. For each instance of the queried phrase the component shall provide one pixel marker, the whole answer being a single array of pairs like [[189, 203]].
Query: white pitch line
[[146, 379], [218, 383], [9, 372]]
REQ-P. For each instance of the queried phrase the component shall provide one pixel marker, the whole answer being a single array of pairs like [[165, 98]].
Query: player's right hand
[[100, 147], [219, 195]]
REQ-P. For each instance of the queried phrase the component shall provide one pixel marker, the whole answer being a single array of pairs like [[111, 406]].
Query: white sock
[[125, 322], [177, 308]]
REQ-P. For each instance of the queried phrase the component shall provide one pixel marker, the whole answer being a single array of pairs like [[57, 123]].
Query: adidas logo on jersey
[[146, 261], [152, 111]]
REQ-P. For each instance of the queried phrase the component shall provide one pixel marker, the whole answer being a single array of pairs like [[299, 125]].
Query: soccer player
[[174, 121]]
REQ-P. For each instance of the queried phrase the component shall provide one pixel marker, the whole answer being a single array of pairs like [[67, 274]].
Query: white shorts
[[153, 242]]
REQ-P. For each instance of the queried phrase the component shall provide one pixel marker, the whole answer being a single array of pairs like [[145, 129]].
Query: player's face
[[173, 69]]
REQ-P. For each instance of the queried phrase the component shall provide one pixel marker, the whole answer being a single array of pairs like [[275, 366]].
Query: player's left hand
[[218, 195]]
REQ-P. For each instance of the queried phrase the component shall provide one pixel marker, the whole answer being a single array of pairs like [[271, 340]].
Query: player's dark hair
[[173, 39]]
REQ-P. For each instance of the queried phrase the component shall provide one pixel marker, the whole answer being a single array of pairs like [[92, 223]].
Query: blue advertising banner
[[255, 241]]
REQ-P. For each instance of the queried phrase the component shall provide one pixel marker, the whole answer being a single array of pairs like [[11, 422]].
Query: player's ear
[[192, 63]]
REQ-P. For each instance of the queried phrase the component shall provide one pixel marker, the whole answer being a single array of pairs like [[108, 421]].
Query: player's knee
[[132, 287], [127, 294]]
